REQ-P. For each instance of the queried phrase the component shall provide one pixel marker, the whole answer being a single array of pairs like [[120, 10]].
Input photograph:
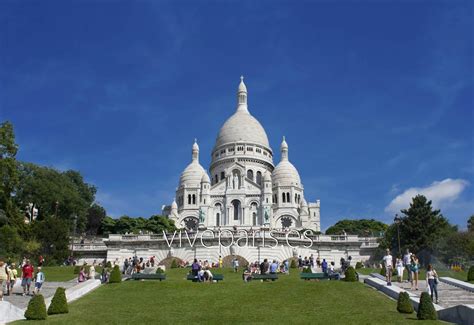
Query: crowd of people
[[411, 264], [9, 276]]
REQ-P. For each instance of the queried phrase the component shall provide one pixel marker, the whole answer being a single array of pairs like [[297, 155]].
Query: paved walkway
[[449, 295], [48, 290]]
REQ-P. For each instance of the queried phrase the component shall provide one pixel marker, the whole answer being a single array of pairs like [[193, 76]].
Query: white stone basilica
[[245, 189]]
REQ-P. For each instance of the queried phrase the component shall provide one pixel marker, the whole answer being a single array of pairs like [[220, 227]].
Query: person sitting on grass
[[247, 275], [195, 268], [274, 267], [39, 280], [82, 275], [332, 272], [208, 275]]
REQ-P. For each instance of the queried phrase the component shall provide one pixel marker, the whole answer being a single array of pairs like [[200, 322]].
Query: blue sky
[[375, 98]]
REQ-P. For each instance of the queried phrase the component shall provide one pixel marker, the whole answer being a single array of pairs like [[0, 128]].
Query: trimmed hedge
[[470, 274], [426, 309], [59, 303], [307, 270], [293, 264], [174, 264], [350, 275], [359, 265], [404, 304], [115, 275], [159, 271], [108, 264], [36, 308]]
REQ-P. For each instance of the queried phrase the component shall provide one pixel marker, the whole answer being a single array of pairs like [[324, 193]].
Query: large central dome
[[242, 126]]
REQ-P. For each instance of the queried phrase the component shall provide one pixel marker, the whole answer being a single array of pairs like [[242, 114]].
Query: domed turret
[[192, 174], [285, 173], [267, 177], [205, 178], [174, 205]]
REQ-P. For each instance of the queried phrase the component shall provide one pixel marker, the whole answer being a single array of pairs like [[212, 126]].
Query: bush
[[36, 308], [359, 265], [174, 264], [293, 264], [426, 309], [404, 304], [470, 274], [350, 275], [307, 270], [108, 265], [59, 303], [115, 275], [159, 271]]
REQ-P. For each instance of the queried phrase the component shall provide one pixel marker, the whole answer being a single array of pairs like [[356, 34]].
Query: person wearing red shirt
[[27, 277]]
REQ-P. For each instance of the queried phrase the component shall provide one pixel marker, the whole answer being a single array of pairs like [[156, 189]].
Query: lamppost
[[397, 221]]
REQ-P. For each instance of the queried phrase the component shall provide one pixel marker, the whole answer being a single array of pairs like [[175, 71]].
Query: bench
[[314, 276], [272, 277], [143, 276], [215, 277]]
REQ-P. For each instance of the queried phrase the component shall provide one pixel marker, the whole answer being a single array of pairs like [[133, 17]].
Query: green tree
[[157, 224], [107, 226], [361, 227], [8, 172], [421, 228], [95, 215], [54, 192], [11, 243], [470, 223], [53, 234]]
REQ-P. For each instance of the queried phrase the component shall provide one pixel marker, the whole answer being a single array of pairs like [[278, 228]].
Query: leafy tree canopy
[[361, 227]]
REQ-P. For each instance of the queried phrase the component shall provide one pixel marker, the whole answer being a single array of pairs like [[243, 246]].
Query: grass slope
[[287, 300]]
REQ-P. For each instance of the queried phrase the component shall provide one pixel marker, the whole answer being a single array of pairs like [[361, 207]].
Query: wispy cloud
[[440, 192]]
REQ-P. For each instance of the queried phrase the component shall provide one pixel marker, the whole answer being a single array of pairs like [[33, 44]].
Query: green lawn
[[287, 300], [462, 275]]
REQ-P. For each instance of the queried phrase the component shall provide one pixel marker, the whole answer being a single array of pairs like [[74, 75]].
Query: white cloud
[[442, 192]]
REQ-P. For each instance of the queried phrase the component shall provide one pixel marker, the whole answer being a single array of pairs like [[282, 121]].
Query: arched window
[[194, 199], [283, 197], [259, 177], [236, 204], [218, 219], [222, 175], [288, 197], [216, 179], [296, 198], [254, 218], [189, 198], [250, 174]]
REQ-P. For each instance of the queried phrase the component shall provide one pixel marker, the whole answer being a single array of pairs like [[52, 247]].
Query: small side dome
[[174, 206], [205, 178], [285, 174], [192, 175]]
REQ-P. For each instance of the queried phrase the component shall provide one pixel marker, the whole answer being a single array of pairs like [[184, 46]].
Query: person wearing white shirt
[[388, 263]]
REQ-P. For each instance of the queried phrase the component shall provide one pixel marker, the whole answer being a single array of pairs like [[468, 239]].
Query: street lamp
[[397, 221]]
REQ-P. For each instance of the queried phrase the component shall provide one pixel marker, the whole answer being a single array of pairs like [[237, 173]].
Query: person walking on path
[[27, 277], [388, 263], [406, 263], [3, 277], [415, 270], [39, 280], [12, 276], [236, 265], [432, 278], [400, 268]]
